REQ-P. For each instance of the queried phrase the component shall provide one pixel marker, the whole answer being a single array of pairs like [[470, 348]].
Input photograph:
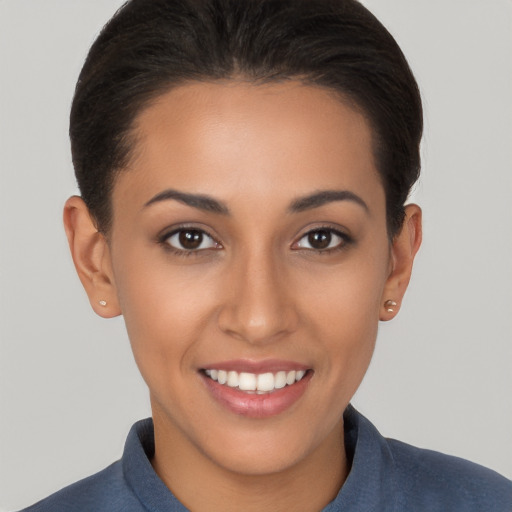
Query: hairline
[[133, 141]]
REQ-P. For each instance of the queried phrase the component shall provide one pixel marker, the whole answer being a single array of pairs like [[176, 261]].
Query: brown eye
[[191, 240], [320, 239], [323, 239]]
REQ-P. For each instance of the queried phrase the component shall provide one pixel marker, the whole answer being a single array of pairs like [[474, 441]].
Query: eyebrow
[[301, 204], [322, 197], [199, 201]]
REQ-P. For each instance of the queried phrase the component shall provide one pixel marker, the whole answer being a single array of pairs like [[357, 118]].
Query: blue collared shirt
[[385, 476]]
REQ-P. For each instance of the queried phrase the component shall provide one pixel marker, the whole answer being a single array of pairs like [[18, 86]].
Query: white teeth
[[222, 377], [260, 383], [280, 380], [247, 382], [290, 377], [265, 382], [233, 379]]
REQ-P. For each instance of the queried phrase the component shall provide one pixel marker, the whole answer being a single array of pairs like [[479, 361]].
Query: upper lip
[[252, 366]]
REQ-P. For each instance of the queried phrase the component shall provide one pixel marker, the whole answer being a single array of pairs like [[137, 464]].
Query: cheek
[[344, 315], [349, 324], [164, 309], [348, 297]]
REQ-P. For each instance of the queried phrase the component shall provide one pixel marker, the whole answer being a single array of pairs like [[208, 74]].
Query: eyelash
[[164, 241], [345, 240]]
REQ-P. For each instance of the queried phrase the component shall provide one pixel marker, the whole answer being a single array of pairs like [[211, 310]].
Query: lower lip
[[253, 405]]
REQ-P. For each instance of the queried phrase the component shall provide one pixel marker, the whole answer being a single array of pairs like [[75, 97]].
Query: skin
[[255, 290]]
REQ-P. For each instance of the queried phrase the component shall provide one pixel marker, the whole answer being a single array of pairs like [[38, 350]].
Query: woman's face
[[249, 237]]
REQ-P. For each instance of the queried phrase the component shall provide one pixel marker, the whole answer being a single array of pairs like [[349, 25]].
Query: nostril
[[257, 308]]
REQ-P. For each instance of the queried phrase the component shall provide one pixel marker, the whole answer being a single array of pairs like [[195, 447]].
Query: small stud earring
[[389, 305], [102, 303]]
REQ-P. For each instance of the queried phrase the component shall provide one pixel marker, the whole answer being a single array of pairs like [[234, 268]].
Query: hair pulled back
[[150, 46]]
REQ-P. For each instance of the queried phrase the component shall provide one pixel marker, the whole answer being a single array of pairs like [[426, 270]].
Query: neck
[[201, 484]]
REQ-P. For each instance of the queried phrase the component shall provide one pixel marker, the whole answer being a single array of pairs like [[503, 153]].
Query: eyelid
[[183, 226], [346, 239], [169, 232], [205, 237]]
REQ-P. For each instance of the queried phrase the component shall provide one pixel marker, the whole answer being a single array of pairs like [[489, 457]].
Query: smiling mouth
[[256, 383]]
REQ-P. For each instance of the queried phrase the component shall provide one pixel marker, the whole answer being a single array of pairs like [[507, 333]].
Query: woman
[[243, 169]]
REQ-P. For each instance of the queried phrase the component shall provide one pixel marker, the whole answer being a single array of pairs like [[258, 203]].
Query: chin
[[258, 462], [266, 451]]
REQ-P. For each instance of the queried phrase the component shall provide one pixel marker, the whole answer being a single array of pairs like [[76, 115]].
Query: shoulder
[[102, 492], [433, 481], [389, 475]]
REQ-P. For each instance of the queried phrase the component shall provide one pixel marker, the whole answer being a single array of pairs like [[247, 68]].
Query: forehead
[[240, 138]]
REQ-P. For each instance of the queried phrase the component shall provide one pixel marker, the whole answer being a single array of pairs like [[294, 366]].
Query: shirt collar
[[370, 485], [139, 473]]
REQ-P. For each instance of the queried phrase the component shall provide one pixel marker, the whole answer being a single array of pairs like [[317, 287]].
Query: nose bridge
[[259, 306]]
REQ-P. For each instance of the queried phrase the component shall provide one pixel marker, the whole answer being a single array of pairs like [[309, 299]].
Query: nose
[[258, 308]]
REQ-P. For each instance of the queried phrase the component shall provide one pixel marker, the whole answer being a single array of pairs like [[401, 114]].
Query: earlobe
[[91, 256], [403, 251]]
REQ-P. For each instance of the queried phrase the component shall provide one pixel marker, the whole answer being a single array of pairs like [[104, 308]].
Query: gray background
[[441, 376]]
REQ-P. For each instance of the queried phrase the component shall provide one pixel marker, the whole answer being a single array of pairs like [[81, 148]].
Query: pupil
[[319, 239], [191, 239]]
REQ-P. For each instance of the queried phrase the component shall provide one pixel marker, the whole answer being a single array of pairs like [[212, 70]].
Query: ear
[[403, 250], [91, 256]]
